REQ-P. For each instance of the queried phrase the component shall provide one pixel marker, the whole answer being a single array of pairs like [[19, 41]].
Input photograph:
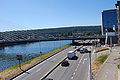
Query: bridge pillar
[[102, 41], [73, 41]]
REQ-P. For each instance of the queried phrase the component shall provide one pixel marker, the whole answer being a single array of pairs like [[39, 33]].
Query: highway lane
[[77, 70], [37, 72]]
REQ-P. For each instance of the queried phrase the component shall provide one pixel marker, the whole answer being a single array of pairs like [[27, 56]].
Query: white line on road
[[84, 60], [76, 69], [71, 77], [81, 59], [38, 70], [105, 76], [74, 73], [107, 72]]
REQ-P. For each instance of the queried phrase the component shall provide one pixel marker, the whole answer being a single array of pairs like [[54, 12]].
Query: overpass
[[73, 38]]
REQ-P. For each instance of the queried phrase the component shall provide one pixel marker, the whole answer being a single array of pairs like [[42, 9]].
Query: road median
[[97, 64]]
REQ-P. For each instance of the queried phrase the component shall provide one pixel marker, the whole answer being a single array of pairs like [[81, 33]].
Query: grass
[[8, 73], [98, 62], [102, 58], [101, 49]]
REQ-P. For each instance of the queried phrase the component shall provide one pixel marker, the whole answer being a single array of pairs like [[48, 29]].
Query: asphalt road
[[37, 72], [77, 70]]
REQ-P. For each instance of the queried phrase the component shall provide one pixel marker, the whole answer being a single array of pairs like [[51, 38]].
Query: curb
[[116, 75]]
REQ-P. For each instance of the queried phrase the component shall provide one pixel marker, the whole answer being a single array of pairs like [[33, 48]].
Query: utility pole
[[90, 66]]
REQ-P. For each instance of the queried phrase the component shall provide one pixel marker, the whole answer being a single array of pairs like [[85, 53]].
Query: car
[[71, 54], [82, 50], [86, 50], [65, 63], [74, 47]]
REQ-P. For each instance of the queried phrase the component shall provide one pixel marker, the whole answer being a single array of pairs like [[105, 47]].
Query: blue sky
[[38, 14]]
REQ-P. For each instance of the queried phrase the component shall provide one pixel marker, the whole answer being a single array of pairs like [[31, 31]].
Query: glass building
[[109, 20]]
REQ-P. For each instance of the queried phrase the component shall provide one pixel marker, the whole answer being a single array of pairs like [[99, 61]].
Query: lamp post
[[91, 77], [19, 57], [106, 38]]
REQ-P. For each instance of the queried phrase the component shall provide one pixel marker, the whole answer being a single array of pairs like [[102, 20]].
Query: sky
[[39, 14]]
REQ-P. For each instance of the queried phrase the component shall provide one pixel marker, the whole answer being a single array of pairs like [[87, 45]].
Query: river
[[29, 51]]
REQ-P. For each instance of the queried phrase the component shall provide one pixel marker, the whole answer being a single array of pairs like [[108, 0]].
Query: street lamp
[[19, 57], [91, 77], [106, 38]]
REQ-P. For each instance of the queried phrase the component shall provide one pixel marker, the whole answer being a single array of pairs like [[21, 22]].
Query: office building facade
[[110, 26], [109, 21]]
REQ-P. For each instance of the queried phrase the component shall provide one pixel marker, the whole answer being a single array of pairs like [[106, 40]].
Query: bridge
[[73, 38]]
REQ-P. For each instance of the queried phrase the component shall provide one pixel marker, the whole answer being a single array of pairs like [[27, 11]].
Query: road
[[77, 70], [37, 72]]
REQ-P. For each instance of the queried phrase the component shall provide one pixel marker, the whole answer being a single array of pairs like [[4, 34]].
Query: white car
[[71, 54]]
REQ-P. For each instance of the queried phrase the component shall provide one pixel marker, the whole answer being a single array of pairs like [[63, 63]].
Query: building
[[109, 20], [118, 18], [109, 26]]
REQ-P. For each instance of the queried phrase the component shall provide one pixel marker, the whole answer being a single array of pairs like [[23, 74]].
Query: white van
[[71, 54]]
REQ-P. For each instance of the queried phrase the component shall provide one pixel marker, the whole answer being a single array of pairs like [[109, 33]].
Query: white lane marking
[[38, 70], [74, 73], [81, 59], [84, 60], [71, 77], [77, 66], [53, 59], [76, 69], [107, 72], [105, 76]]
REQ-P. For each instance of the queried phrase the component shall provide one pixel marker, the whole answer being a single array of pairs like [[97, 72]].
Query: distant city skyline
[[39, 14]]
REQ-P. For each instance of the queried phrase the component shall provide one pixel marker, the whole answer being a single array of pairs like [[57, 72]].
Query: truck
[[71, 54]]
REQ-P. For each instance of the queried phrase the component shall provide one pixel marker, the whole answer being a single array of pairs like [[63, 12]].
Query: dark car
[[65, 63], [83, 50], [86, 50]]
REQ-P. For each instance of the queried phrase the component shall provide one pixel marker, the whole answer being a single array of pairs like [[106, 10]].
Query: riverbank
[[13, 71]]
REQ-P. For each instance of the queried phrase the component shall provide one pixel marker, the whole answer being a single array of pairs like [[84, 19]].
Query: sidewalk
[[108, 69]]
